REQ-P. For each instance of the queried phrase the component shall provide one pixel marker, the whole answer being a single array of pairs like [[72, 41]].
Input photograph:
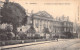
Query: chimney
[[67, 18], [56, 18]]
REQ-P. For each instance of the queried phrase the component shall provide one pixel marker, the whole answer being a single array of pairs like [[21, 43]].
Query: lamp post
[[32, 19], [77, 23]]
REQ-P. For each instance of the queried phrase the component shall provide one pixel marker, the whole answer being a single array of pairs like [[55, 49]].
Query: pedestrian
[[57, 37]]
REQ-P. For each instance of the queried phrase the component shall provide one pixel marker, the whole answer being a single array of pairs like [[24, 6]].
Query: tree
[[31, 31], [46, 31], [14, 14]]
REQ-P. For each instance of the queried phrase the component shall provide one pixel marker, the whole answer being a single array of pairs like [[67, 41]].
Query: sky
[[56, 8]]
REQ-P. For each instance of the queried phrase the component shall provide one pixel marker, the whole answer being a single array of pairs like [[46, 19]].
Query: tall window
[[37, 24], [65, 29]]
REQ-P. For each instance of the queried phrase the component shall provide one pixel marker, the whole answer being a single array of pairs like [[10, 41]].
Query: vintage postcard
[[39, 24]]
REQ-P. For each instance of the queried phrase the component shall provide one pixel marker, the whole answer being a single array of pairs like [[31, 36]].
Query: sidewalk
[[24, 44], [29, 44]]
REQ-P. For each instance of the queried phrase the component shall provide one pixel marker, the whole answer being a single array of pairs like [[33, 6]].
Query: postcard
[[39, 24]]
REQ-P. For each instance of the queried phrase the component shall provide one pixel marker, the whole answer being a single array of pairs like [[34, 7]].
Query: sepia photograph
[[39, 24]]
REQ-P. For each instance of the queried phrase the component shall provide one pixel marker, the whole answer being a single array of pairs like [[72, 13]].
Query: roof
[[43, 14]]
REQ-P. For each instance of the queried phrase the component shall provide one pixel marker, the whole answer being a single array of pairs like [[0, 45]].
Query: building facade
[[42, 21], [56, 26]]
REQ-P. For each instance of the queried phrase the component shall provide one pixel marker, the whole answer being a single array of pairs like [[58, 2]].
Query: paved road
[[68, 44], [74, 47]]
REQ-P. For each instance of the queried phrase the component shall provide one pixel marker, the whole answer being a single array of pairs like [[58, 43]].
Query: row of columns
[[42, 23]]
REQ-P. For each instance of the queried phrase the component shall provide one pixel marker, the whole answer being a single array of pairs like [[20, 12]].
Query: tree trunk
[[15, 31]]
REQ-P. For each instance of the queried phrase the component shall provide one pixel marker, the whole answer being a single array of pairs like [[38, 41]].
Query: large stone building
[[56, 26], [43, 20]]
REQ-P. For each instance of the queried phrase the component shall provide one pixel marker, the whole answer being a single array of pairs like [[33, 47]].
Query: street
[[62, 44]]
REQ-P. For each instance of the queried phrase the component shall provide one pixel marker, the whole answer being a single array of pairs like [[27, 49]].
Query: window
[[37, 25]]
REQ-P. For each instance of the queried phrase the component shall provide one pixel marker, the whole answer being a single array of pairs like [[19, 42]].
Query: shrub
[[68, 34], [22, 35], [5, 35]]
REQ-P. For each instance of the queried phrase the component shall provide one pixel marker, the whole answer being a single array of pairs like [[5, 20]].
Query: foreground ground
[[62, 44]]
